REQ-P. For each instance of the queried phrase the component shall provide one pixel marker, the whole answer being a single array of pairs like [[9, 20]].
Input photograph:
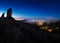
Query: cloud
[[45, 19], [50, 18]]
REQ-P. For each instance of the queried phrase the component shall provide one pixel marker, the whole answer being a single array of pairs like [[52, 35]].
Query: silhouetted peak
[[9, 15], [9, 12], [2, 15]]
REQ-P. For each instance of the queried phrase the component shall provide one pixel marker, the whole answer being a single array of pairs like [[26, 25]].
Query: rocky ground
[[21, 32]]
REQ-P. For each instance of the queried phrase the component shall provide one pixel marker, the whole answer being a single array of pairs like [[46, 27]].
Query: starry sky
[[49, 9]]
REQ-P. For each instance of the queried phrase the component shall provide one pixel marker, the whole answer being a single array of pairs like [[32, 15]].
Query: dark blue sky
[[32, 8]]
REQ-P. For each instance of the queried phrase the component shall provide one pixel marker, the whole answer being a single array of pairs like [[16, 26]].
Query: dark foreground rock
[[12, 31], [21, 32]]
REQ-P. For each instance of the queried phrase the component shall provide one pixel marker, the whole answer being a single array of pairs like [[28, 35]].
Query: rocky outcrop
[[12, 31]]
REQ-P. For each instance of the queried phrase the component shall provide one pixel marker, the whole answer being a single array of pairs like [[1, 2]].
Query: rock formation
[[2, 16], [9, 13]]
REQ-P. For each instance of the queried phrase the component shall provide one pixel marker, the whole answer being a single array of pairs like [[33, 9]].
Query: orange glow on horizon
[[19, 19]]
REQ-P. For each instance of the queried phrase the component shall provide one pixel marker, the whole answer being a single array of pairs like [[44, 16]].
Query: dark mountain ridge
[[12, 31]]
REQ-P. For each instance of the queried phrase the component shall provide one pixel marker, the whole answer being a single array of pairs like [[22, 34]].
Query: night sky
[[32, 8]]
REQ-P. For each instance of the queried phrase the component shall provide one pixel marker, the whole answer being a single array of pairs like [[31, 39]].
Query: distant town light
[[50, 30], [40, 23]]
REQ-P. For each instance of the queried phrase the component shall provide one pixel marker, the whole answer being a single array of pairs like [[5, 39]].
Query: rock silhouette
[[9, 13], [12, 31], [2, 15]]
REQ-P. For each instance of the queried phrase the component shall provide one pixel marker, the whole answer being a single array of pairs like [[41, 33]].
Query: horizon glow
[[49, 9]]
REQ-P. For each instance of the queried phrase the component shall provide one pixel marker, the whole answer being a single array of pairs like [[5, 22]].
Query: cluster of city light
[[43, 27], [40, 23], [49, 29]]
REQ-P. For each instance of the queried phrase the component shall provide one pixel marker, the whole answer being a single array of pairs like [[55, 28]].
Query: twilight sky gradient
[[49, 9]]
